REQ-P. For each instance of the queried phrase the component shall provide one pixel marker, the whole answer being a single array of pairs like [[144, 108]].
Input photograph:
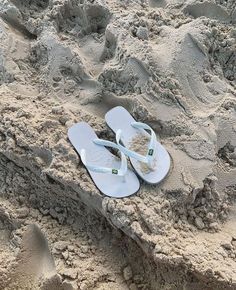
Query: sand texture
[[172, 64]]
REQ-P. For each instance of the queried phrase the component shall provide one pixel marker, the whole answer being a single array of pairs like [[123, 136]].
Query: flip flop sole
[[119, 118], [81, 135]]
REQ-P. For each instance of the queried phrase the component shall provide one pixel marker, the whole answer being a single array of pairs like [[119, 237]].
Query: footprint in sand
[[35, 267], [207, 9]]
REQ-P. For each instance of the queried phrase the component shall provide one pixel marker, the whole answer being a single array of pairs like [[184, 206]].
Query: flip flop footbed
[[81, 135], [120, 118]]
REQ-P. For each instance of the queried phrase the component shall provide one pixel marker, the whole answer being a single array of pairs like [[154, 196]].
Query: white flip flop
[[111, 175], [157, 159]]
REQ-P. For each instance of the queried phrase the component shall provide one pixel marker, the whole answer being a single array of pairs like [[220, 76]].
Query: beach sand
[[172, 65]]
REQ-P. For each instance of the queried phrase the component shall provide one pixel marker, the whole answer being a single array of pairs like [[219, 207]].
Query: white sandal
[[100, 162], [155, 164]]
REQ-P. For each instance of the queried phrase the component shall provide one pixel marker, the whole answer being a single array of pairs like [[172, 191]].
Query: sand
[[172, 64]]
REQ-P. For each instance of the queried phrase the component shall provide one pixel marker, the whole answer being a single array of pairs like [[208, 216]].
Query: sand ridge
[[171, 64]]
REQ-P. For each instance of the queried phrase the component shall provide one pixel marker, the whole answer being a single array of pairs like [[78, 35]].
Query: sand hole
[[98, 17], [228, 154], [80, 20]]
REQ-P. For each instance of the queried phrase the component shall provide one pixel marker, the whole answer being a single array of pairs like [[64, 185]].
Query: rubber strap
[[148, 158], [120, 172]]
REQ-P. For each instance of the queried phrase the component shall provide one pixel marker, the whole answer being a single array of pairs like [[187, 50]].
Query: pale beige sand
[[172, 64], [139, 144]]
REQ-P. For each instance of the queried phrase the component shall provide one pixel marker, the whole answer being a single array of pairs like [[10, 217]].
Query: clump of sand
[[171, 63]]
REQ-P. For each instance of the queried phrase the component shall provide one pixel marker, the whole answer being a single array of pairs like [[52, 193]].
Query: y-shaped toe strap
[[123, 168], [148, 158]]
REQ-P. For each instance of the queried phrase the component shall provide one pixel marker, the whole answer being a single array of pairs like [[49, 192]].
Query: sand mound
[[172, 64]]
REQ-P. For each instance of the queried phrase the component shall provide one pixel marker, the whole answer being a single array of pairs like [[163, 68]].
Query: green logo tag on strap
[[114, 171], [150, 152]]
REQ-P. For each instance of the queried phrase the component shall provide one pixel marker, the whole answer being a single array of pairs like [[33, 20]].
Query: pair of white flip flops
[[111, 175]]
